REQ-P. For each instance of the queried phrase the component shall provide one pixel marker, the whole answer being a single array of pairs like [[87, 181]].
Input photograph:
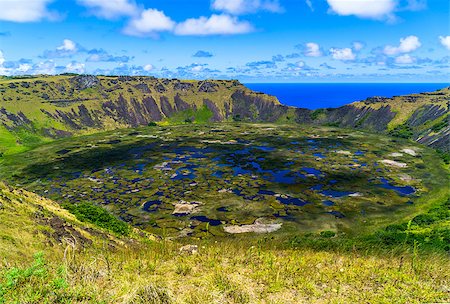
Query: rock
[[396, 154], [393, 163], [160, 88], [83, 82], [409, 151], [257, 227], [189, 249], [182, 86], [184, 208], [208, 87], [344, 152], [405, 177], [376, 99], [356, 194], [143, 88]]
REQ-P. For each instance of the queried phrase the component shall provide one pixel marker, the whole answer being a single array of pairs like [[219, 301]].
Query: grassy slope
[[405, 108], [238, 270]]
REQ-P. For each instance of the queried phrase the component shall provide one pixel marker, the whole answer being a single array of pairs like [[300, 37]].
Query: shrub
[[152, 124], [152, 294], [327, 234], [315, 114], [440, 125], [88, 212], [402, 131]]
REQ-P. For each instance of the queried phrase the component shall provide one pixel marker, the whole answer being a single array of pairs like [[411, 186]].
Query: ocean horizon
[[332, 95]]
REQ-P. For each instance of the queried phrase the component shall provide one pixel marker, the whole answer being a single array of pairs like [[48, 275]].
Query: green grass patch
[[199, 116], [88, 212], [402, 131]]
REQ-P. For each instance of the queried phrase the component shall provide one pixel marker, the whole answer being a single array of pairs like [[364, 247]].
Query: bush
[[316, 113], [152, 294], [88, 212], [152, 124], [440, 125], [327, 234], [402, 131]]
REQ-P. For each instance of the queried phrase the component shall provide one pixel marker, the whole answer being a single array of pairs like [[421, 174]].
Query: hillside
[[421, 117], [103, 205], [48, 256], [42, 108], [38, 109]]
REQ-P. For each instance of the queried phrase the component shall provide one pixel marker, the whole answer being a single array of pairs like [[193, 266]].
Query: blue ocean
[[330, 95]]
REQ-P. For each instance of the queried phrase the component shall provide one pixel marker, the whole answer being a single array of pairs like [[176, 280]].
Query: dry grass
[[235, 270]]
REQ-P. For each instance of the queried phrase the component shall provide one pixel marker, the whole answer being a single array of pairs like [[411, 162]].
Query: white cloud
[[197, 67], [214, 25], [110, 9], [404, 59], [24, 68], [148, 67], [75, 67], [149, 23], [345, 54], [445, 41], [45, 67], [358, 46], [2, 58], [407, 45], [25, 10], [309, 4], [67, 46], [237, 7], [312, 50], [370, 9]]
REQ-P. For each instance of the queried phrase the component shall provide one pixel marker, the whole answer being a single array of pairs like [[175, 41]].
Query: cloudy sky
[[249, 40]]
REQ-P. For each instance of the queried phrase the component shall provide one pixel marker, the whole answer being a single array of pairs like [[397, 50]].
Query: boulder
[[189, 249]]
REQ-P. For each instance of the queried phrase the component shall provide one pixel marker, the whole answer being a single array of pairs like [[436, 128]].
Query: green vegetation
[[402, 131], [445, 156], [427, 230], [199, 116], [440, 125], [88, 212], [317, 114], [361, 217], [36, 283]]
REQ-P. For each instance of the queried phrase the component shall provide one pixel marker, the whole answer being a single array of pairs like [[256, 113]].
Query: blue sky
[[249, 40]]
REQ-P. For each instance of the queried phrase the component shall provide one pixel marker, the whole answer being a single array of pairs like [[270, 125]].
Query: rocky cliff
[[35, 109], [65, 105], [421, 117]]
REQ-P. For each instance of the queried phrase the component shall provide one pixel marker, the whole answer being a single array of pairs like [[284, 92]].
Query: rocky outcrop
[[83, 82], [356, 117], [166, 107], [181, 105], [183, 86], [207, 87], [255, 107], [131, 101], [217, 116]]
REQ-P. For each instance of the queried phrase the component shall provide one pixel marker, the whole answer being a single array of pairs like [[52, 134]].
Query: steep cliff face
[[421, 117], [35, 108], [58, 106]]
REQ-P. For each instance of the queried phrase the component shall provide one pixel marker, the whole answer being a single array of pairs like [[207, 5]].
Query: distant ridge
[[35, 109]]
